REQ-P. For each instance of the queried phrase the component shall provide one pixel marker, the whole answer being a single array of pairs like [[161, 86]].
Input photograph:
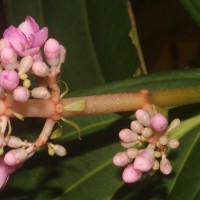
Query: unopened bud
[[132, 152], [159, 122], [8, 58], [26, 83], [52, 52], [165, 166], [40, 93], [21, 94], [155, 165], [136, 126], [59, 150], [143, 117], [9, 79], [130, 174], [144, 160], [121, 159], [147, 132], [25, 64], [127, 135], [15, 157], [173, 144], [175, 123], [163, 140], [40, 69], [13, 142]]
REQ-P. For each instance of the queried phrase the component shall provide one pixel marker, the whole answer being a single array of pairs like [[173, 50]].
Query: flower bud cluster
[[24, 75], [146, 143], [15, 74]]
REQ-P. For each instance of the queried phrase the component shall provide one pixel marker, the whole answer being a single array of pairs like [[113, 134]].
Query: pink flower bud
[[21, 94], [13, 142], [144, 160], [121, 159], [40, 93], [130, 174], [15, 157], [52, 51], [165, 166], [126, 135], [159, 122], [143, 117], [25, 64], [8, 58], [40, 69], [5, 172], [9, 79]]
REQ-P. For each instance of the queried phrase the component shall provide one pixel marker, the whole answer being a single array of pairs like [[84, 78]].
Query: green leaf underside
[[99, 50]]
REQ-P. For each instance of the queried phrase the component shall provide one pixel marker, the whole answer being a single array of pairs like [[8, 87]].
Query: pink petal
[[40, 37], [29, 26], [29, 52], [15, 38]]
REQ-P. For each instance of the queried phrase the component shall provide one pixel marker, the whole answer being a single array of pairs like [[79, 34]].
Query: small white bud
[[25, 64], [40, 93], [13, 141], [136, 126], [143, 117], [59, 150], [40, 69], [132, 152], [173, 144], [147, 132], [163, 140]]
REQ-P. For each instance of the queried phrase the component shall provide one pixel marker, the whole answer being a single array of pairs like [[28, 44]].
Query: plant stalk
[[109, 103]]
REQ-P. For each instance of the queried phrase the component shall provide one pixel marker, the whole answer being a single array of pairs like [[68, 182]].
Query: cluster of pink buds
[[146, 144], [24, 76]]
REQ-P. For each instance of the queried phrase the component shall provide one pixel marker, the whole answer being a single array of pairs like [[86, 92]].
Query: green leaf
[[193, 7], [95, 34], [88, 170]]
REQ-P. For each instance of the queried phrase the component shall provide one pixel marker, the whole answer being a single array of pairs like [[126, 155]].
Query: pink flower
[[27, 38], [5, 172]]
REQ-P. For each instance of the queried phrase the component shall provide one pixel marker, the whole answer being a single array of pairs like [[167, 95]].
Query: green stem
[[134, 37]]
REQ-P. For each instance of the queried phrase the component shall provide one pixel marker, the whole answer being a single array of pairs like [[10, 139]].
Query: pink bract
[[27, 38]]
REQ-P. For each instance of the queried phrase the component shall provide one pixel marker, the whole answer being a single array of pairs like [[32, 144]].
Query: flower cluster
[[146, 144], [21, 63]]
